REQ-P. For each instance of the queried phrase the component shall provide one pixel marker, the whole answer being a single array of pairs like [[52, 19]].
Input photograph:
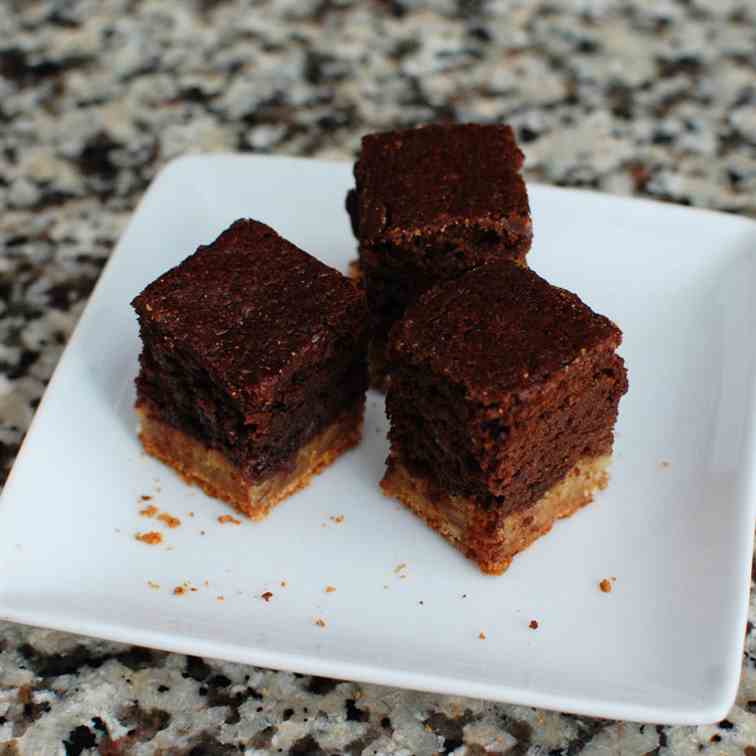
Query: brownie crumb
[[179, 590], [284, 584], [533, 625], [144, 497], [267, 596], [319, 622], [482, 635], [151, 538], [220, 598], [155, 586], [149, 511], [606, 585], [169, 520], [338, 519], [222, 519], [191, 514], [329, 589], [399, 568]]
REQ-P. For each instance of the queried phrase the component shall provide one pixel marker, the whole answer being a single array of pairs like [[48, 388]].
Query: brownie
[[430, 204], [251, 348], [501, 384]]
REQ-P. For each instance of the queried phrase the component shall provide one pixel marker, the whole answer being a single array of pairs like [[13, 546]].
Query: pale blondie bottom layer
[[217, 477], [488, 539]]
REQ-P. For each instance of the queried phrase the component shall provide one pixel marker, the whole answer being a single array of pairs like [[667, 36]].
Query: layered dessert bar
[[430, 204], [253, 368], [503, 398]]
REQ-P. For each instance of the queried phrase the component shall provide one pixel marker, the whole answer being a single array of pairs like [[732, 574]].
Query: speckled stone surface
[[646, 98]]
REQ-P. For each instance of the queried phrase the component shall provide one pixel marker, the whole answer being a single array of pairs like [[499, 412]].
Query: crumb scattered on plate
[[220, 598], [169, 520], [607, 584], [338, 519], [222, 519], [284, 584], [144, 497], [399, 568], [267, 596], [329, 589], [319, 622], [533, 624], [190, 514], [151, 538], [179, 590], [155, 586], [482, 635], [149, 511], [664, 464]]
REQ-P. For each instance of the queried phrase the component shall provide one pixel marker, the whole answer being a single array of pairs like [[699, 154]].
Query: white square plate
[[674, 527]]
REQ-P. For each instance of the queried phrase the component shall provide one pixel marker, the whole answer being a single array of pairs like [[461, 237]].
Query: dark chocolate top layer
[[499, 329], [423, 179], [252, 309]]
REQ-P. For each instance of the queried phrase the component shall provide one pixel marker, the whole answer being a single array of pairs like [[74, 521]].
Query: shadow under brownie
[[430, 204], [253, 369], [503, 398]]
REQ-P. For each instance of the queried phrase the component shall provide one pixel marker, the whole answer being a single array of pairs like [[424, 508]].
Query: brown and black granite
[[430, 204], [632, 98], [501, 384], [252, 347]]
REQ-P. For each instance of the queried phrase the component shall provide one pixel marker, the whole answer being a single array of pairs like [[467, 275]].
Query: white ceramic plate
[[674, 527]]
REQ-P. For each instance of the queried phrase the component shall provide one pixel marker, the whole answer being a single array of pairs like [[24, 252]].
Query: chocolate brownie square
[[253, 369], [503, 398], [430, 204]]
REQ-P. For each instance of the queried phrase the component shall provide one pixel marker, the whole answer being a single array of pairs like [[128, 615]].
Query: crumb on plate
[[329, 589], [155, 586], [482, 635], [267, 596], [169, 520], [222, 519], [149, 511], [151, 538], [533, 624], [319, 622]]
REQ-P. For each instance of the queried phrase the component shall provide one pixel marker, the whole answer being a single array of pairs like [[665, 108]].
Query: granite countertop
[[626, 96]]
